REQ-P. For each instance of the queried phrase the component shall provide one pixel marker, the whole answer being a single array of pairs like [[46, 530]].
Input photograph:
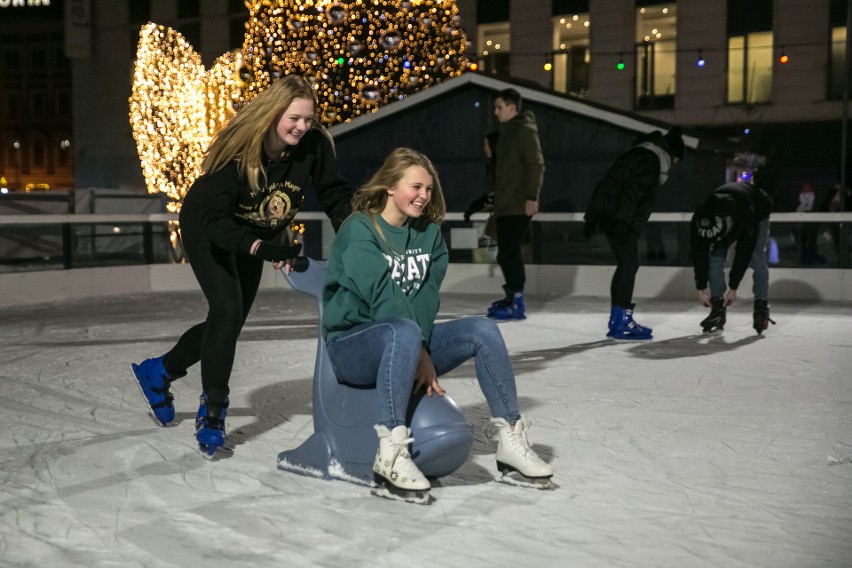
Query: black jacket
[[233, 216], [749, 205], [623, 199]]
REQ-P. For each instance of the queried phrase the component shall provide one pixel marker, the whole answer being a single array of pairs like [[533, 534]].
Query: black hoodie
[[728, 215]]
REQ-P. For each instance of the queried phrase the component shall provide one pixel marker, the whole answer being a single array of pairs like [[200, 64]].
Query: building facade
[[35, 98], [715, 66], [768, 75]]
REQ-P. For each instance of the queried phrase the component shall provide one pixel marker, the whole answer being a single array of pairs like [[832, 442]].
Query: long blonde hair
[[242, 138], [372, 196]]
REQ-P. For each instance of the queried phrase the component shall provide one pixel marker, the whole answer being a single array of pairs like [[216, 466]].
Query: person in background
[[518, 175], [808, 232], [380, 301], [736, 212], [256, 172], [485, 202], [620, 206]]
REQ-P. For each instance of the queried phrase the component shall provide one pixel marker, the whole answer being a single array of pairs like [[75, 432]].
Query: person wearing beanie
[[620, 206], [734, 213]]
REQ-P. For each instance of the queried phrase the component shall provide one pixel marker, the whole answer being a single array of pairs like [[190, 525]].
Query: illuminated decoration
[[620, 65], [176, 107], [700, 62], [358, 55], [783, 59]]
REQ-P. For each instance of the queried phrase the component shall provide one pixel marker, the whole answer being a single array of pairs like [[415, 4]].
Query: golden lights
[[358, 55], [176, 107]]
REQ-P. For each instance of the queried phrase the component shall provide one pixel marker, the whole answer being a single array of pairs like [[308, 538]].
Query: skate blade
[[519, 480], [387, 491], [214, 453], [145, 398], [630, 337], [712, 330]]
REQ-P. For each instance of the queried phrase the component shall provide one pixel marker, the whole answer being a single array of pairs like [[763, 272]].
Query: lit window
[[571, 54], [838, 63], [656, 56], [750, 68], [494, 46]]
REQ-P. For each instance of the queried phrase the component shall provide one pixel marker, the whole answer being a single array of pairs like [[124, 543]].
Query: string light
[[783, 59], [700, 61], [620, 65]]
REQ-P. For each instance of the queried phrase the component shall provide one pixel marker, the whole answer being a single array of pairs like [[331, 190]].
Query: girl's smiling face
[[295, 121], [409, 196]]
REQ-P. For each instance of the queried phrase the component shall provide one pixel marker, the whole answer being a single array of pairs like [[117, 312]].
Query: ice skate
[[210, 430], [514, 311], [396, 475], [153, 381], [761, 316], [716, 320], [517, 463], [622, 326], [503, 302]]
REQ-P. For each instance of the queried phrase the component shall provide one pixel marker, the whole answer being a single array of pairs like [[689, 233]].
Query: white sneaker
[[516, 460], [396, 475]]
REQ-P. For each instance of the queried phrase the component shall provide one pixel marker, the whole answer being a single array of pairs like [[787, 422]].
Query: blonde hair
[[242, 138], [372, 196]]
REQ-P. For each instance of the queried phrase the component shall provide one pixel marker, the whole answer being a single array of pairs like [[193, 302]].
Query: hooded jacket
[[377, 271], [519, 167], [623, 199], [233, 215], [730, 214]]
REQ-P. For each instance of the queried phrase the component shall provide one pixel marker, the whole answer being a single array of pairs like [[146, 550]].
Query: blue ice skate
[[210, 431], [503, 302], [514, 311], [153, 381], [622, 326]]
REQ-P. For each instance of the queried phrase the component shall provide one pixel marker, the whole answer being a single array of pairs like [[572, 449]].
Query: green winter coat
[[519, 167], [376, 274]]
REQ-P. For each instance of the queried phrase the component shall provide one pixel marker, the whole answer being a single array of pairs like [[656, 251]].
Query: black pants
[[625, 247], [229, 282], [511, 233]]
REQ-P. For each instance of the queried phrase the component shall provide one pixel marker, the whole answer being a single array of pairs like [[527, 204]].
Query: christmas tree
[[358, 56]]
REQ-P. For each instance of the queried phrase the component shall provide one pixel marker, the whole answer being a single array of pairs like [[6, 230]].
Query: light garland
[[176, 107], [358, 56]]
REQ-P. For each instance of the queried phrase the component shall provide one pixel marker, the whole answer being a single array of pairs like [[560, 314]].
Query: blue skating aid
[[344, 443]]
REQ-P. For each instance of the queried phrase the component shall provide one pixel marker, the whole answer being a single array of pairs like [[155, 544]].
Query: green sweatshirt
[[376, 274]]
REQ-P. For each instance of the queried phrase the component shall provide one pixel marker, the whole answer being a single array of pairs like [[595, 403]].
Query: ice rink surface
[[730, 450]]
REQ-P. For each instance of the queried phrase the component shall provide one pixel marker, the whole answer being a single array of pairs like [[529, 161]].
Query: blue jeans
[[385, 354], [758, 263]]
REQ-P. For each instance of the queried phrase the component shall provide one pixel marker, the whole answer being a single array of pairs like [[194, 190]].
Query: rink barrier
[[548, 280]]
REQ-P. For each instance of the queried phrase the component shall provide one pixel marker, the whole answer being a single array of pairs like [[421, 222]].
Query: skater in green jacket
[[380, 301]]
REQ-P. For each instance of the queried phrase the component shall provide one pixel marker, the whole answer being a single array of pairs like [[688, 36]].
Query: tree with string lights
[[358, 55]]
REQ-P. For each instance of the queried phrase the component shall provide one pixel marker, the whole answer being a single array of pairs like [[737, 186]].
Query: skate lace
[[522, 445], [402, 449]]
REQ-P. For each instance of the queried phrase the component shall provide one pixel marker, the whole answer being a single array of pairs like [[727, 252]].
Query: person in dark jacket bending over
[[734, 213], [518, 174], [256, 172], [620, 206]]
